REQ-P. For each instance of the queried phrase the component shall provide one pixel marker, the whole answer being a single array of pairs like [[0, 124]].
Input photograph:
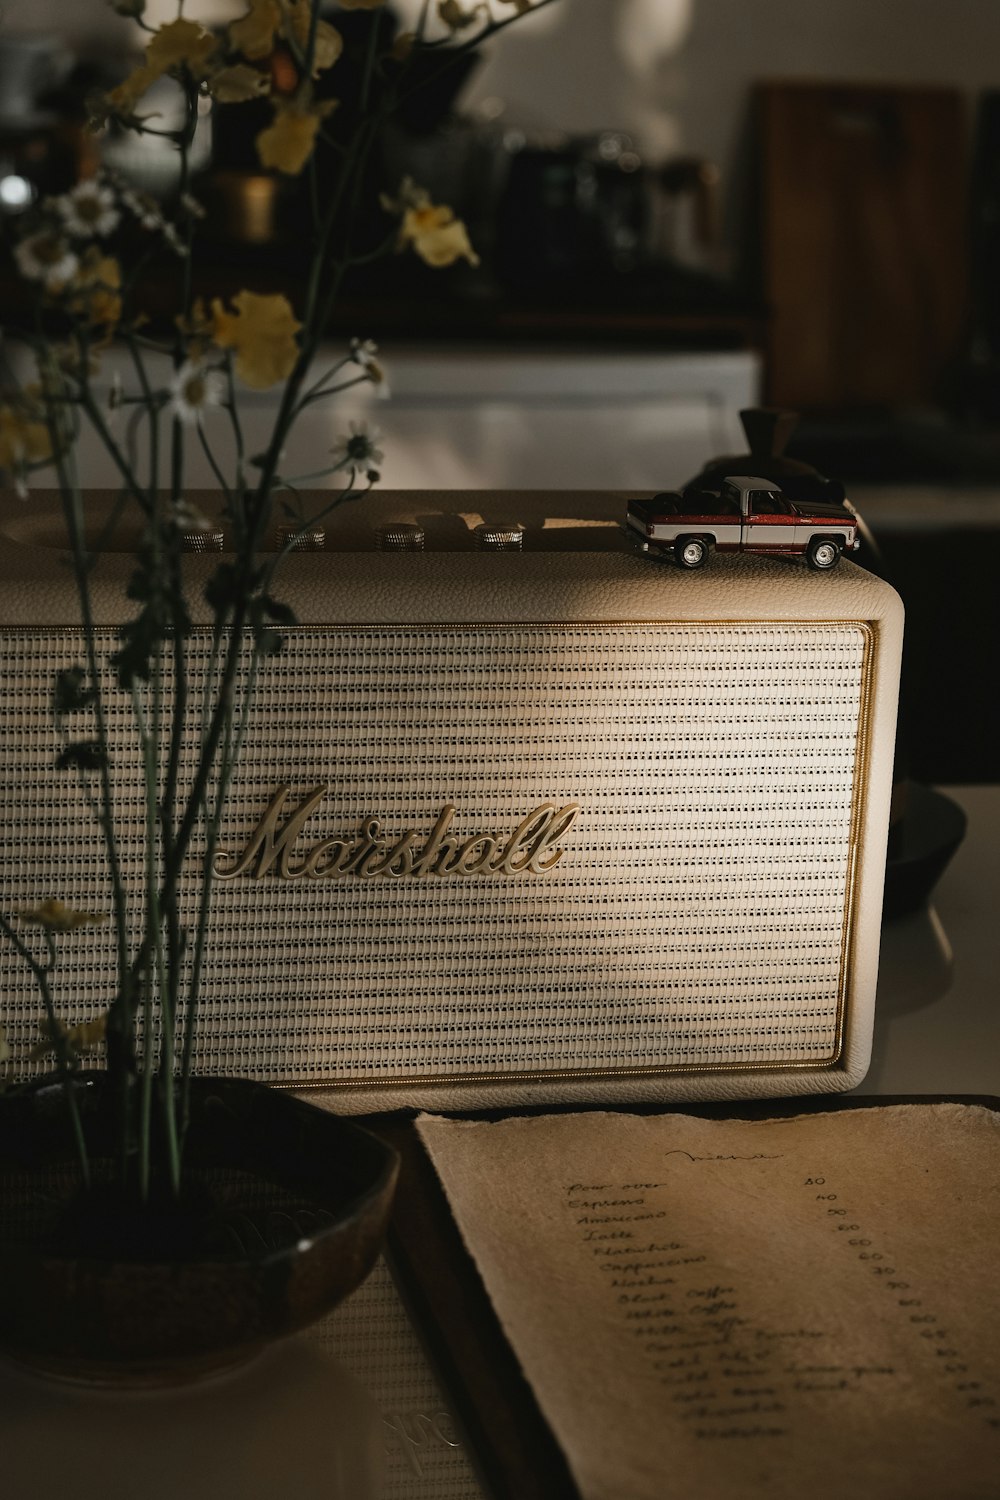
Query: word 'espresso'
[[530, 849]]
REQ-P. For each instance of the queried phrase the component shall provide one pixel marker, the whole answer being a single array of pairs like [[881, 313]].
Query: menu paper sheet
[[725, 1309]]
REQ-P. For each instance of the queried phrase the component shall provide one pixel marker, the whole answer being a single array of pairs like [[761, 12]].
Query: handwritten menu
[[712, 1309]]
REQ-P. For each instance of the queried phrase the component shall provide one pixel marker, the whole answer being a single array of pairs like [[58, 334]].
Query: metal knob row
[[395, 536], [499, 538], [399, 536]]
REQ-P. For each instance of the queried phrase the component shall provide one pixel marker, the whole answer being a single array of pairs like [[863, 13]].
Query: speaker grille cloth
[[695, 920]]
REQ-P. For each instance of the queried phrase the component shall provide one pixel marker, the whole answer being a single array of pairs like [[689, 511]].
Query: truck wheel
[[691, 551], [823, 553]]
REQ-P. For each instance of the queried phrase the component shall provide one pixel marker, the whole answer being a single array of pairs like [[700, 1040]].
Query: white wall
[[92, 27], [678, 71]]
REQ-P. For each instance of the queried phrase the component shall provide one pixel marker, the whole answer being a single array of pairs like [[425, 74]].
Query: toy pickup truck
[[747, 515]]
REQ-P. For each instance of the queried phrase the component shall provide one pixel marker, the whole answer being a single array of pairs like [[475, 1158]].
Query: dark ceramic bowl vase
[[284, 1216]]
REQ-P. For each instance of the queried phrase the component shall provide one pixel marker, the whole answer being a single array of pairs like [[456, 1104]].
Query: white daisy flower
[[359, 449], [145, 208], [363, 352], [46, 257], [89, 210], [193, 389], [173, 239]]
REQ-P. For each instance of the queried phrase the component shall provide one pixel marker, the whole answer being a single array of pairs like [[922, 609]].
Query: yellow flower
[[178, 44], [24, 439], [238, 83], [95, 294], [66, 359], [288, 141], [79, 1038], [328, 44], [436, 235], [253, 34], [123, 99], [402, 46], [432, 229], [182, 44], [262, 331], [55, 916]]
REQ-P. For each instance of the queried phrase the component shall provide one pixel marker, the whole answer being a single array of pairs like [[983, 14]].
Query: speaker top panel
[[576, 564]]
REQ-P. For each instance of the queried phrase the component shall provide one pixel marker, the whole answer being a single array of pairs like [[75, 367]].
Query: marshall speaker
[[556, 824]]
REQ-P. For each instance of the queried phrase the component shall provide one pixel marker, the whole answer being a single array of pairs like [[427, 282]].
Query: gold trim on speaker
[[862, 757]]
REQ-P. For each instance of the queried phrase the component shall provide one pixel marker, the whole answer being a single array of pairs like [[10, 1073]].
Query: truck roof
[[751, 482]]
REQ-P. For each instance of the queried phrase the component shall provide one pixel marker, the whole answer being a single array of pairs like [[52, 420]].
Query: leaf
[[274, 609], [227, 587], [142, 639], [79, 1038], [269, 642], [71, 692], [56, 916], [84, 755], [139, 586]]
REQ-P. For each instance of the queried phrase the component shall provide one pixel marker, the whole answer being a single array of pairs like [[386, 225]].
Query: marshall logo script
[[530, 849]]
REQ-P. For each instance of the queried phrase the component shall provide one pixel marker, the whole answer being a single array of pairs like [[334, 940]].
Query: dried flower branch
[[82, 256]]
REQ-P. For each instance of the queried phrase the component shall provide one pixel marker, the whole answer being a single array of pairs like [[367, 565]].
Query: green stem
[[232, 408], [228, 757], [135, 489], [120, 1036], [64, 1056], [318, 392], [369, 63], [223, 483], [184, 139]]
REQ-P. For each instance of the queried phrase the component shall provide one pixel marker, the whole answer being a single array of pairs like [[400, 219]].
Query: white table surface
[[937, 1015]]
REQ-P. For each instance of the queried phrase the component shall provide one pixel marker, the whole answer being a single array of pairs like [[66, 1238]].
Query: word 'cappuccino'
[[530, 849]]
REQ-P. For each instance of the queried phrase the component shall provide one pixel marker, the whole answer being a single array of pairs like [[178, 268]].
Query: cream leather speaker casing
[[667, 794]]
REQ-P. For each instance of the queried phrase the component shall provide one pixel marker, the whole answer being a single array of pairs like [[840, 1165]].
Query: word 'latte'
[[530, 849]]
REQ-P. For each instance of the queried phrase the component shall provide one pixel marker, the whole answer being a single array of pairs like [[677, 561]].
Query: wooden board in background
[[863, 241]]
